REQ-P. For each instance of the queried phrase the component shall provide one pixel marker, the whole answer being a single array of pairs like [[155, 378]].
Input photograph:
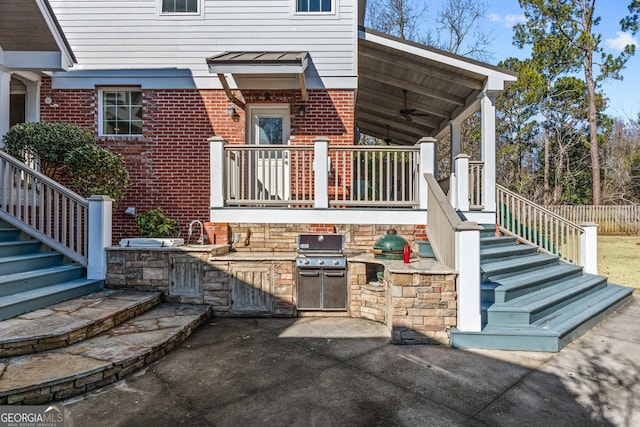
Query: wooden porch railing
[[441, 212], [475, 185], [534, 224], [44, 209]]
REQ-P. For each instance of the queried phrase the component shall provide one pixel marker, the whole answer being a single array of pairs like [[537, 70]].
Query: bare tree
[[458, 29], [400, 18]]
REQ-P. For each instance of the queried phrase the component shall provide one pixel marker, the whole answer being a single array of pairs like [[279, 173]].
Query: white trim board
[[323, 216]]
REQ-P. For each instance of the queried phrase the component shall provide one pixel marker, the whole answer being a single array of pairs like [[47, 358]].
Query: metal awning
[[407, 91], [259, 63], [31, 38]]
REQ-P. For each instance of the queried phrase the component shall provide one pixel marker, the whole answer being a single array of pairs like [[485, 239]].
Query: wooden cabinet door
[[251, 291]]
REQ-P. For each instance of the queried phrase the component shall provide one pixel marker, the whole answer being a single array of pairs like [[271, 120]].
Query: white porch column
[[488, 149], [428, 164], [589, 247], [216, 171], [461, 168], [99, 236], [467, 244], [321, 169], [5, 89], [455, 130], [33, 101]]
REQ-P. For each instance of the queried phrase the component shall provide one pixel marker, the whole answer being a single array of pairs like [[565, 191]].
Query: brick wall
[[169, 163]]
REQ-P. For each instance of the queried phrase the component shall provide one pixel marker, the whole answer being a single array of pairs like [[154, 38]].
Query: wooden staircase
[[33, 276], [534, 301]]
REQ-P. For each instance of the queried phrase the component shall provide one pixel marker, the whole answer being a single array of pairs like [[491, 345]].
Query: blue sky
[[624, 96]]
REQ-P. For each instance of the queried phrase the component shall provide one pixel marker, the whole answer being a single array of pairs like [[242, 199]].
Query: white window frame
[[179, 15], [296, 14], [101, 92]]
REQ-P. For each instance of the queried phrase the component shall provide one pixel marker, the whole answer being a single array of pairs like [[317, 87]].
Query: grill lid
[[321, 243]]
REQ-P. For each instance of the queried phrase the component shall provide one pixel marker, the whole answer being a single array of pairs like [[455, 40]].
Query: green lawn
[[619, 259]]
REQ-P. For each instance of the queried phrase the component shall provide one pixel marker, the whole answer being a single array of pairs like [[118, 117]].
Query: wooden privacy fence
[[617, 219]]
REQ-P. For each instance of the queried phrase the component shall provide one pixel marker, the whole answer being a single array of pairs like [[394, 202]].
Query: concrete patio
[[336, 371]]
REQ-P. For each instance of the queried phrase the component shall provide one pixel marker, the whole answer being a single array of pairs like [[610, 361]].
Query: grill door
[[309, 289], [334, 290]]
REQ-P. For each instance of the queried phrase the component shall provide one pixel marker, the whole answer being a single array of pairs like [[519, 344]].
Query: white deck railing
[[534, 224], [358, 176], [43, 208], [475, 185]]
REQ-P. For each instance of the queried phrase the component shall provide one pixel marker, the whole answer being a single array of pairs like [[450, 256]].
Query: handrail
[[534, 224], [44, 209], [445, 221]]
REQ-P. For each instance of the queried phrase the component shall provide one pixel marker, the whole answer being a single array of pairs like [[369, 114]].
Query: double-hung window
[[314, 6], [180, 6], [120, 111]]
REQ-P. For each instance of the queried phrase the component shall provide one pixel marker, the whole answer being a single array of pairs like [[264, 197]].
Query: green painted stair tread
[[34, 299], [29, 261], [15, 247], [103, 359], [497, 240], [553, 331], [493, 251], [574, 314], [534, 305], [547, 273], [28, 275], [502, 266]]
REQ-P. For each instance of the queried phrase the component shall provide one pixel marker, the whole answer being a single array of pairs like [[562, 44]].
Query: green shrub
[[48, 142], [154, 223], [95, 170]]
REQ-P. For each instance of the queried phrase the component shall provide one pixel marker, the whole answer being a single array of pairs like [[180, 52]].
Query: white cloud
[[621, 41], [507, 20], [512, 20]]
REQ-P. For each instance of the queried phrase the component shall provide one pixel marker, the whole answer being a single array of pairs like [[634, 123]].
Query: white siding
[[126, 35]]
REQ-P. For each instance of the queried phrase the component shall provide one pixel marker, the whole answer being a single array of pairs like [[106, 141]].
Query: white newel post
[[216, 171], [467, 243], [5, 89], [589, 247], [321, 169], [455, 129], [428, 164], [461, 168], [99, 237]]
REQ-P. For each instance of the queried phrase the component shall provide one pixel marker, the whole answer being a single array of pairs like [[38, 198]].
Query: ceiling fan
[[407, 113]]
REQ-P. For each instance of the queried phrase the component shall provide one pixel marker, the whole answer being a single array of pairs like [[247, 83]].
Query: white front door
[[269, 126]]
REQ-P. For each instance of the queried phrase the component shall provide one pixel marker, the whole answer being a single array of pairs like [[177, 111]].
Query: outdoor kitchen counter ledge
[[255, 256], [417, 265]]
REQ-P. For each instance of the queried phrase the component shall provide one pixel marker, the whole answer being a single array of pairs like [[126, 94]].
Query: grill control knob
[[321, 262], [305, 262], [336, 262]]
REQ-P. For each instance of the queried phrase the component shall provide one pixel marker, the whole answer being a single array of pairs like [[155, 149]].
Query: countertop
[[416, 265]]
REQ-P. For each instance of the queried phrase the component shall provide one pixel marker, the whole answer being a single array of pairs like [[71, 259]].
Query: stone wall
[[255, 237], [266, 286]]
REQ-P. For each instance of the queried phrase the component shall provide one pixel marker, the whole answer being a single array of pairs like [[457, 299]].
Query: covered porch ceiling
[[407, 91], [31, 37]]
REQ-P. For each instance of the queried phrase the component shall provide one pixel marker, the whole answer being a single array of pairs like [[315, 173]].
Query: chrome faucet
[[201, 239]]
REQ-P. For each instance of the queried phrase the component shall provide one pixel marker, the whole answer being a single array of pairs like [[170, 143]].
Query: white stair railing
[[44, 209], [532, 223]]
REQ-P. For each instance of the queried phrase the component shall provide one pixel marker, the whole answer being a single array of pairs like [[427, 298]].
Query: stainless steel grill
[[321, 272]]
